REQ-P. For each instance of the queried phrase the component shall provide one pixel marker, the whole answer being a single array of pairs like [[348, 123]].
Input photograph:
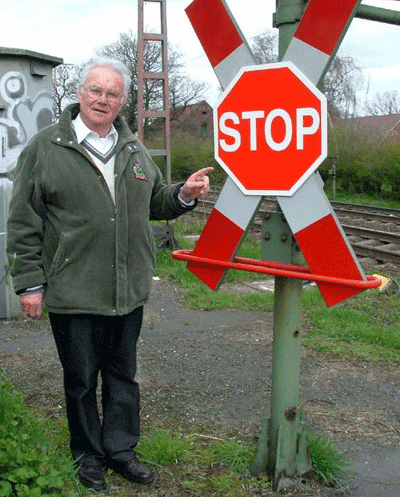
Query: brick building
[[378, 128], [195, 121]]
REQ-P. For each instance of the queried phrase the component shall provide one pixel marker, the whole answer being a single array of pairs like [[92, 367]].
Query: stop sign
[[270, 129]]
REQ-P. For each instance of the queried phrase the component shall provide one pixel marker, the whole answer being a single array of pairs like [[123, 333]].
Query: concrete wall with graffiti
[[26, 106]]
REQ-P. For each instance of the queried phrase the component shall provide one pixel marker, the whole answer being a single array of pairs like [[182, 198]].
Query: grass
[[162, 448], [234, 453], [365, 326], [198, 295], [208, 466], [34, 462], [372, 200], [34, 453], [225, 463], [328, 463]]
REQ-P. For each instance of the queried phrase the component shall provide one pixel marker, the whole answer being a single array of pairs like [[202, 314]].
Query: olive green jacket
[[64, 230]]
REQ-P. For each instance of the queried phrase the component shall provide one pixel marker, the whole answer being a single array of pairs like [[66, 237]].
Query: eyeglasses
[[95, 93]]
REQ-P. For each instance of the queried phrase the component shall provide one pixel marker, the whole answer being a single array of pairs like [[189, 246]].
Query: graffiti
[[22, 118]]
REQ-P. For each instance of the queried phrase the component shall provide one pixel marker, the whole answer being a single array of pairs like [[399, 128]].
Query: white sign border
[[316, 163]]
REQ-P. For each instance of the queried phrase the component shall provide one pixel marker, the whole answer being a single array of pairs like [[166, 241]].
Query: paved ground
[[376, 472], [213, 367]]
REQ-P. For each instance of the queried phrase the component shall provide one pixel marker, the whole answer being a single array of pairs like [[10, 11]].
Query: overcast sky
[[73, 29]]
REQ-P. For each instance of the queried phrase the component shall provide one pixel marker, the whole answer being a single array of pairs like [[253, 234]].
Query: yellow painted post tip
[[385, 282]]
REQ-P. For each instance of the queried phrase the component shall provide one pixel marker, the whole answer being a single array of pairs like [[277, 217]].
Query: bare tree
[[65, 87], [384, 103], [265, 47], [340, 84], [183, 90]]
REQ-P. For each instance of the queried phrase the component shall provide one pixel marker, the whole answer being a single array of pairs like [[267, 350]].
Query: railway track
[[373, 231]]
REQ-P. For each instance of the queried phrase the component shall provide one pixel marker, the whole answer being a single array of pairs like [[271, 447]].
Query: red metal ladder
[[145, 79]]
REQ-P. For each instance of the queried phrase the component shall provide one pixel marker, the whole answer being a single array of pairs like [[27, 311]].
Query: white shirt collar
[[82, 131]]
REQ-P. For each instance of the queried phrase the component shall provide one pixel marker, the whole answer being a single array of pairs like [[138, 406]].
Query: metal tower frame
[[144, 76], [164, 235]]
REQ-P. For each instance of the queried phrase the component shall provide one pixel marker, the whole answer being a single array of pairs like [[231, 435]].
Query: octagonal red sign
[[270, 129]]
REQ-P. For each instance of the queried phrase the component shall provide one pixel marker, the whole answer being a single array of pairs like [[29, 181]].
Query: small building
[[378, 128], [26, 106], [195, 120]]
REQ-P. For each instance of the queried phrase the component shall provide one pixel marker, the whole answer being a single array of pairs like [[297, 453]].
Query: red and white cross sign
[[309, 214], [268, 116]]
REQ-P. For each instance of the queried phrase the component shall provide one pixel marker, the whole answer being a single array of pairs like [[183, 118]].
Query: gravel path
[[213, 368]]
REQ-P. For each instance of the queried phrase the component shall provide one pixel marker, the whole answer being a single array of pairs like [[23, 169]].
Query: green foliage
[[365, 162], [189, 155], [376, 170], [235, 453], [161, 448], [29, 464], [208, 466], [198, 295], [217, 467], [366, 325], [8, 268], [328, 463], [227, 484]]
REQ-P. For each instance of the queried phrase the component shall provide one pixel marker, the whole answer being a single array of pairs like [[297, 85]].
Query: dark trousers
[[87, 345]]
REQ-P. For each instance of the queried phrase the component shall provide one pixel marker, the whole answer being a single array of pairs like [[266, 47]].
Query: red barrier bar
[[274, 268]]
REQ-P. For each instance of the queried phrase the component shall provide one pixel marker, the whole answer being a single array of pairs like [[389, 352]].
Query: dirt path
[[213, 368]]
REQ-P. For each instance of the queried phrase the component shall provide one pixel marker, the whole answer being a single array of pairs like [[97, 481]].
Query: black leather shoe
[[92, 477], [135, 472]]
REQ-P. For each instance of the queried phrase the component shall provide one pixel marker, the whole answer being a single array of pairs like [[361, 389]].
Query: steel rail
[[367, 233], [366, 208], [377, 253], [378, 213], [368, 215], [388, 252]]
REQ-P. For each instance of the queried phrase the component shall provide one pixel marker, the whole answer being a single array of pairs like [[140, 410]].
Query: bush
[[364, 162], [189, 155], [29, 465]]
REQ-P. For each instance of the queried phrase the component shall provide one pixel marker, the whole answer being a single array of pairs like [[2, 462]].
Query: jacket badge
[[138, 172]]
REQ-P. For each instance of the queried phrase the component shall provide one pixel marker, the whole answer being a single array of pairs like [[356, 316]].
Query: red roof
[[388, 125]]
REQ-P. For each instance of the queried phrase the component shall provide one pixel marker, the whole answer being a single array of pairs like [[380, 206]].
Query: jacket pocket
[[60, 258]]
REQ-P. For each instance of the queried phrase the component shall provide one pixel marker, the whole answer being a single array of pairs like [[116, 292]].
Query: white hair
[[114, 64]]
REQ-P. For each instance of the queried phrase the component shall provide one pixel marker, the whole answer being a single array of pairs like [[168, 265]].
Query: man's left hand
[[196, 185]]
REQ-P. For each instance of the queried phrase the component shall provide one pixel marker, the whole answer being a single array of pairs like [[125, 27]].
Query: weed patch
[[162, 448], [30, 464], [328, 463]]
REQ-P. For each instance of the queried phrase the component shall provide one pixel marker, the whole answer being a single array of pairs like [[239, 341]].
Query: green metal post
[[287, 450], [283, 449], [286, 18], [378, 14], [282, 444]]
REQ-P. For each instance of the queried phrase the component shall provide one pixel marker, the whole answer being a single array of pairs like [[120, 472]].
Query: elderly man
[[79, 235]]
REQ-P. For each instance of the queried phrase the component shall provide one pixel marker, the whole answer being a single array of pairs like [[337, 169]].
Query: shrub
[[365, 162], [29, 464], [189, 155]]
